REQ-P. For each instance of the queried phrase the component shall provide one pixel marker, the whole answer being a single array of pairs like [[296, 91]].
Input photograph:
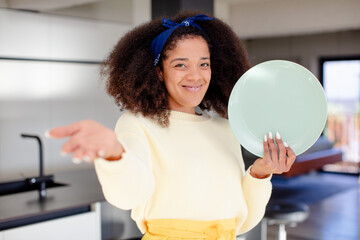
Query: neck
[[190, 110]]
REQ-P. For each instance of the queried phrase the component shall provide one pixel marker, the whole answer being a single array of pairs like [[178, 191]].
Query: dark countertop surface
[[20, 209]]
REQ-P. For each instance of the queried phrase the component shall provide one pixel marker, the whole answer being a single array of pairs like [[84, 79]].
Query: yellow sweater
[[191, 170]]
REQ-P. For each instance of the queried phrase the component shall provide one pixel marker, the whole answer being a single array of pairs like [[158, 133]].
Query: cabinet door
[[82, 226]]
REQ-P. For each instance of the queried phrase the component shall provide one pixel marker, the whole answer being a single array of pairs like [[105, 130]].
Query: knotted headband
[[158, 43]]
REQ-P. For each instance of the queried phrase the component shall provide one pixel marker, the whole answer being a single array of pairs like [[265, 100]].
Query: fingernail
[[265, 138], [100, 153], [47, 134], [86, 158], [285, 144], [63, 153], [278, 135], [270, 135], [76, 160]]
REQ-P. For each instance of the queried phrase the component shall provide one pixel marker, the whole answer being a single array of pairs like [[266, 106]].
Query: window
[[340, 78]]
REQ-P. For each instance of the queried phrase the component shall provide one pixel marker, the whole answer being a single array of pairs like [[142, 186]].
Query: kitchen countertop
[[82, 190]]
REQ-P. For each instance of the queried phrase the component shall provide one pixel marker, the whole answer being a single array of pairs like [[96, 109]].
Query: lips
[[192, 88]]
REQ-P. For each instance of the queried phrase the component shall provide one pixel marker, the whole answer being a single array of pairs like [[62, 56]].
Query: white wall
[[110, 10], [305, 49], [3, 3], [269, 18], [36, 95]]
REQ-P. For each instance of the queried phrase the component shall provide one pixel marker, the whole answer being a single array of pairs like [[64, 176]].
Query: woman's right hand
[[88, 140]]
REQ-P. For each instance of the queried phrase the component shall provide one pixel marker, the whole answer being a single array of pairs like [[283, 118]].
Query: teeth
[[193, 88]]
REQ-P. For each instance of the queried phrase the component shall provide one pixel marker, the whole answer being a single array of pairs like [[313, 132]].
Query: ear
[[160, 73]]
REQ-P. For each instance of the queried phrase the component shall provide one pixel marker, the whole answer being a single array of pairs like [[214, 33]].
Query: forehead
[[192, 45]]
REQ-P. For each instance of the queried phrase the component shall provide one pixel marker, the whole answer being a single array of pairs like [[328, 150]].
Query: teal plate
[[277, 96]]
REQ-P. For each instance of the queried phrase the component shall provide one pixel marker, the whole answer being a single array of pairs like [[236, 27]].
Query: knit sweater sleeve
[[257, 193], [128, 182]]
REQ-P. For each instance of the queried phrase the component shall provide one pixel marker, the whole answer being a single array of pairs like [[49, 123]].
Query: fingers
[[65, 131], [282, 152], [268, 163], [80, 156], [274, 151], [88, 140], [266, 148], [82, 150], [280, 156], [70, 146], [291, 157]]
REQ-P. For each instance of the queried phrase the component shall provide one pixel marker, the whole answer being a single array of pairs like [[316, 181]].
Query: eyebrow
[[184, 59]]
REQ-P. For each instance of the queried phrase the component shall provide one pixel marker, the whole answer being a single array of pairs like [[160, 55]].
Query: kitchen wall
[[36, 95], [304, 49], [267, 18]]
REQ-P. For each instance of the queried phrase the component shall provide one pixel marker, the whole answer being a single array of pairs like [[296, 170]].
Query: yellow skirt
[[176, 229]]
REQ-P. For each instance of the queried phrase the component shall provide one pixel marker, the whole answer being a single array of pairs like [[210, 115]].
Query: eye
[[180, 65], [205, 64]]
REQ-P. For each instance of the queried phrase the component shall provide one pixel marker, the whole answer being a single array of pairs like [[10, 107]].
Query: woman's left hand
[[276, 159]]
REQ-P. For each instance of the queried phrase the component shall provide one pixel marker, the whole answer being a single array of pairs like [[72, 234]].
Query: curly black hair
[[132, 79]]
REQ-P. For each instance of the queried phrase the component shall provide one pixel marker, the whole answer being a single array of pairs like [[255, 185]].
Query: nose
[[194, 74]]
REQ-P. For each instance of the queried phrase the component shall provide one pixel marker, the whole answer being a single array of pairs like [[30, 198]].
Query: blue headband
[[158, 43]]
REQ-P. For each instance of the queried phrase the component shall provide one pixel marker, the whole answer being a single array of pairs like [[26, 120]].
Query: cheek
[[173, 78], [209, 76], [170, 83]]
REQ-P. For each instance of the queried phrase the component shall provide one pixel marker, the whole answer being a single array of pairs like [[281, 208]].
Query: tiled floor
[[334, 218]]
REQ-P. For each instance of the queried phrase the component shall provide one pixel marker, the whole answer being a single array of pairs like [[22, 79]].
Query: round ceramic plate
[[277, 96]]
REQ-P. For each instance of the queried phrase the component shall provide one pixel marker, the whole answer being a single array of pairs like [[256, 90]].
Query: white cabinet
[[24, 34], [80, 39], [81, 226], [44, 36]]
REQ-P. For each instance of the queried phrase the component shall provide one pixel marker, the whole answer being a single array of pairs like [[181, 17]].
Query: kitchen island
[[69, 207]]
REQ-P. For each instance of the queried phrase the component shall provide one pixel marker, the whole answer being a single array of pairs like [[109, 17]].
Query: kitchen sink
[[28, 184]]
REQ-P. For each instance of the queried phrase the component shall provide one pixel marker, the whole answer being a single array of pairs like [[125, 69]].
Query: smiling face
[[186, 73]]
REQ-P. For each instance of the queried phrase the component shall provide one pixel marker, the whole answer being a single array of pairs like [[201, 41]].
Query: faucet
[[41, 179]]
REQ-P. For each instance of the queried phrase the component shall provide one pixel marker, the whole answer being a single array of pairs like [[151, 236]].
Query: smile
[[192, 88]]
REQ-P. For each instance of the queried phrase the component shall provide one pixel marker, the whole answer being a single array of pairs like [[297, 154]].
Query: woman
[[178, 169]]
